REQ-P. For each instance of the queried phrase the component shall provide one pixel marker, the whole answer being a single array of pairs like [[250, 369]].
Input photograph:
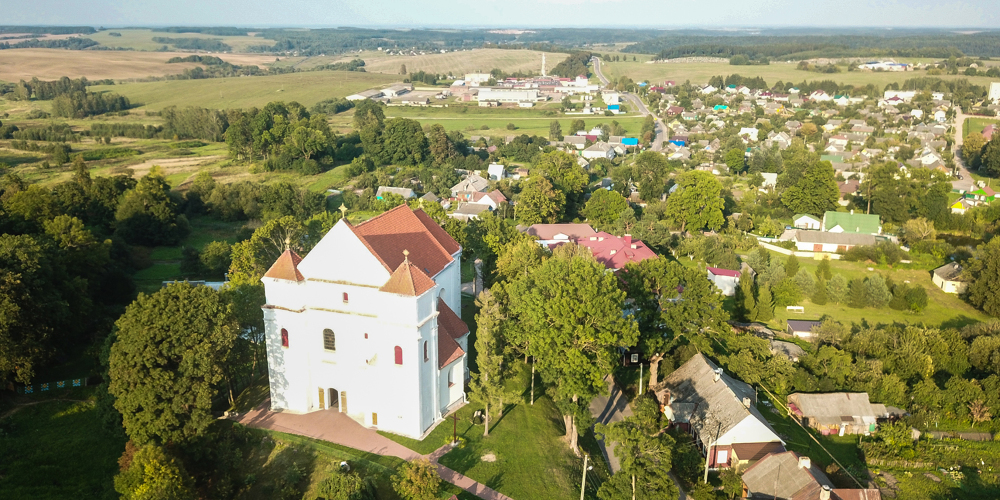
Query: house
[[496, 171], [850, 222], [613, 251], [468, 211], [397, 89], [806, 221], [406, 193], [599, 150], [791, 352], [791, 476], [960, 206], [472, 183], [430, 198], [725, 280], [994, 94], [492, 200], [837, 412], [719, 411], [822, 241], [577, 141], [848, 189], [984, 194], [548, 234], [477, 78], [365, 324], [801, 328], [949, 278], [749, 133], [674, 110], [770, 180]]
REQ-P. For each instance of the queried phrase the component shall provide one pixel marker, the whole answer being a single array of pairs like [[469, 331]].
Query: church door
[[321, 392]]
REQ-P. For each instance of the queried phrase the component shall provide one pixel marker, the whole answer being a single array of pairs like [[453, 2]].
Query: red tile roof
[[723, 272], [408, 280], [286, 267], [450, 329], [387, 235], [615, 252]]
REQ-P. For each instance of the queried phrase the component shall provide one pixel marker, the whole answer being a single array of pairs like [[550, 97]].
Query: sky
[[506, 13]]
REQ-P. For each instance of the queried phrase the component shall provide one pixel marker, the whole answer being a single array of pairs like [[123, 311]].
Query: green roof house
[[844, 222]]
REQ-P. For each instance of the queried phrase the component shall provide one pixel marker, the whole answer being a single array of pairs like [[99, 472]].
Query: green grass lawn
[[531, 125], [942, 308], [532, 459], [58, 449], [224, 93], [976, 125]]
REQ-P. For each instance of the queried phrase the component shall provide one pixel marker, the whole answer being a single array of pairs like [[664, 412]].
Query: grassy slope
[[222, 93], [976, 125], [57, 449], [699, 73], [942, 308]]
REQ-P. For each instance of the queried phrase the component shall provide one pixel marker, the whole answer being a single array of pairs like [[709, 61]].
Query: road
[[966, 182], [638, 105]]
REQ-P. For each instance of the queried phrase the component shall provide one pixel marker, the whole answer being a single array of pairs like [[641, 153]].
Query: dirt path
[[23, 405]]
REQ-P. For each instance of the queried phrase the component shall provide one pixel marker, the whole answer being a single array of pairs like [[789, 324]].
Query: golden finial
[[406, 256]]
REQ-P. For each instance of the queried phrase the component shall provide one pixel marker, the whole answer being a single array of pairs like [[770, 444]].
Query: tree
[[487, 386], [984, 271], [877, 294], [604, 208], [836, 289], [147, 215], [567, 176], [81, 175], [972, 149], [815, 192], [653, 286], [167, 362], [734, 160], [576, 126], [746, 299], [252, 258], [823, 271], [555, 131], [345, 486], [804, 281], [919, 229], [645, 462], [698, 201], [792, 266], [151, 474], [765, 304], [402, 69], [417, 480], [570, 312], [820, 296], [539, 202], [979, 412], [856, 293], [990, 159]]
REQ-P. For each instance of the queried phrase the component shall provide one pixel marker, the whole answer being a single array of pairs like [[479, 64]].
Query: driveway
[[966, 183], [335, 427], [614, 408]]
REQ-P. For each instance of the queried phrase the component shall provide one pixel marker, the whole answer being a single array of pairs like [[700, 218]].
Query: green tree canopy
[[167, 362], [604, 207], [697, 203], [815, 192]]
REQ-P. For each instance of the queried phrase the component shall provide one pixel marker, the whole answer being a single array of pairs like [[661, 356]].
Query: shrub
[[417, 480]]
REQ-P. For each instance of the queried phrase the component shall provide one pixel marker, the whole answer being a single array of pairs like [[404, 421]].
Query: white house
[[725, 280], [599, 150], [476, 79], [470, 184], [823, 241], [365, 324], [806, 221], [994, 92], [496, 171], [949, 278], [749, 133]]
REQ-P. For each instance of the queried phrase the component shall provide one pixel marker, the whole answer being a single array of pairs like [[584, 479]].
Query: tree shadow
[[958, 322]]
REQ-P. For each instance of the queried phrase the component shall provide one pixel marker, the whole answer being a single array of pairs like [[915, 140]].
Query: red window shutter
[[398, 351], [284, 338], [345, 297]]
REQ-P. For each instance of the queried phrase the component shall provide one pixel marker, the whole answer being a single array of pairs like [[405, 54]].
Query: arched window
[[345, 297], [329, 340], [398, 352], [451, 376], [426, 357], [284, 338]]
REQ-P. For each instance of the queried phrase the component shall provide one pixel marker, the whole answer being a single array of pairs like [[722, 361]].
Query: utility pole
[[583, 483], [532, 381], [454, 436], [640, 379]]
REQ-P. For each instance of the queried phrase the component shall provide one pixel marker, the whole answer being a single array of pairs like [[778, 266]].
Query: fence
[[900, 464], [47, 386]]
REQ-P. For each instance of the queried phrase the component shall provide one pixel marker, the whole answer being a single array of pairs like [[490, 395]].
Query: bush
[[884, 252], [345, 486], [417, 480]]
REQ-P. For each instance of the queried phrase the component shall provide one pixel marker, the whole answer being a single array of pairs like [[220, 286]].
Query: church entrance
[[334, 399]]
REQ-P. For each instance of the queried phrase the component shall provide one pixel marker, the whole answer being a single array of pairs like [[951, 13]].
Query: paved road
[[335, 427], [966, 182], [638, 105], [614, 408]]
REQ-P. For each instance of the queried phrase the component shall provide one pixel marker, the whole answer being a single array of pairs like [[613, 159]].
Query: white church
[[366, 324]]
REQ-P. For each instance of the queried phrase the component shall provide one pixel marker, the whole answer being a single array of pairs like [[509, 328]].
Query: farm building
[[850, 222], [790, 475], [837, 412], [806, 221], [725, 280], [510, 95], [801, 328], [949, 278], [820, 241]]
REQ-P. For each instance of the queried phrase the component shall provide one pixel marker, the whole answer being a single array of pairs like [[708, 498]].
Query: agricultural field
[[468, 61], [142, 39], [223, 93], [52, 64], [700, 72]]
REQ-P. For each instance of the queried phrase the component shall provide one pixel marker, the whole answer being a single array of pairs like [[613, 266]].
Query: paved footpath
[[335, 427]]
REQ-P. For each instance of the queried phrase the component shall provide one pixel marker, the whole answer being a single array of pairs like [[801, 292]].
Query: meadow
[[976, 125], [222, 93], [142, 39], [52, 64]]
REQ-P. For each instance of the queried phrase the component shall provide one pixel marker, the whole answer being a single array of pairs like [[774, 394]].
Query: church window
[[284, 338], [329, 340], [398, 351], [451, 379], [426, 357], [345, 297]]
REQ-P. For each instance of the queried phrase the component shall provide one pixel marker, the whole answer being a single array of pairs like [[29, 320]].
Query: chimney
[[805, 463], [746, 402], [824, 494], [628, 240], [718, 375]]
